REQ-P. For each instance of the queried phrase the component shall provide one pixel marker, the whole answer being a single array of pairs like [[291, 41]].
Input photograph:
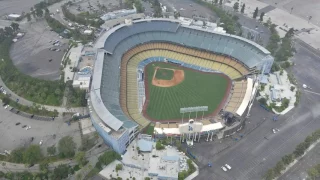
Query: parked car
[[229, 167], [40, 143], [274, 131], [6, 107], [223, 168], [18, 123]]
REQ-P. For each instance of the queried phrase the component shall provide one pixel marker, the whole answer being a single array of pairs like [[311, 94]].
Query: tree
[[108, 157], [16, 155], [138, 5], [32, 155], [313, 173], [6, 100], [44, 167], [157, 9], [290, 33], [39, 12], [279, 167], [310, 17], [8, 31], [66, 147], [261, 16], [51, 150], [15, 26], [81, 158], [220, 2], [243, 8], [236, 6], [159, 146], [281, 72], [287, 159], [176, 14], [300, 149], [60, 172], [268, 23], [46, 10], [182, 175], [147, 178], [263, 101], [255, 13], [119, 167], [28, 17], [269, 175]]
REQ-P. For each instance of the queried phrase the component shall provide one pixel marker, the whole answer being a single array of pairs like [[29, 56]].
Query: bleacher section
[[237, 94], [133, 63], [231, 67]]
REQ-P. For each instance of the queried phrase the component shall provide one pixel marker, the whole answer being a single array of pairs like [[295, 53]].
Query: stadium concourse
[[117, 94]]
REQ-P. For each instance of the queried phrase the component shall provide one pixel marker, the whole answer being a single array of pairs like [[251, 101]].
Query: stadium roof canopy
[[116, 41]]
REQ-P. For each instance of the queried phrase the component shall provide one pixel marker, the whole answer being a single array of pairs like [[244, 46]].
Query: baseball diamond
[[164, 73], [196, 89]]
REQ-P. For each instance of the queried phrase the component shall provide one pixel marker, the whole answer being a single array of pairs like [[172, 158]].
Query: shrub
[[292, 88], [159, 146]]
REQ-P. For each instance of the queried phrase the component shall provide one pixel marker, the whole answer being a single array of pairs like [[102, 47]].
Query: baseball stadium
[[179, 78]]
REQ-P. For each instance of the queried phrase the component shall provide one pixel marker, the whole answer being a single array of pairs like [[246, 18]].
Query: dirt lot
[[31, 53]]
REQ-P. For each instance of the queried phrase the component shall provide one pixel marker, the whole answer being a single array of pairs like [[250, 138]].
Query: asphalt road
[[260, 150]]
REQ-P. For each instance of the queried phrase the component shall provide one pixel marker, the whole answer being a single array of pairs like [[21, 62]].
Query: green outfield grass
[[197, 89], [165, 74]]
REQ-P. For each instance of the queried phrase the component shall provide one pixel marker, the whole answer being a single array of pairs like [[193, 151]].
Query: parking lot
[[188, 8], [16, 6], [13, 136], [93, 6], [31, 53]]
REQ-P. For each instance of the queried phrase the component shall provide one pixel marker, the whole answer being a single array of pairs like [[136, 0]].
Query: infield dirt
[[178, 77]]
